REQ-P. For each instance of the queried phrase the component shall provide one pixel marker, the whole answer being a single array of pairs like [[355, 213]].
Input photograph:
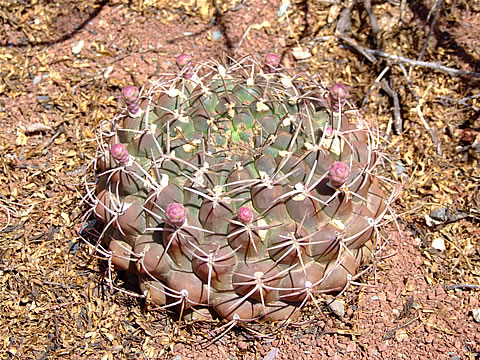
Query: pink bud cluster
[[131, 96], [184, 61], [329, 132], [176, 214], [245, 215], [338, 95], [271, 63], [338, 173], [120, 153]]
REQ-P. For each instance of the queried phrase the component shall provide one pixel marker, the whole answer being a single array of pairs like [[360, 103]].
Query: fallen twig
[[7, 211], [430, 65], [460, 101], [434, 9], [374, 85], [397, 118], [409, 82], [462, 286], [390, 334], [373, 19], [430, 130], [343, 27]]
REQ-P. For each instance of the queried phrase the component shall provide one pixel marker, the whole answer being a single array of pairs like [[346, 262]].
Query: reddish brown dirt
[[53, 302], [399, 316]]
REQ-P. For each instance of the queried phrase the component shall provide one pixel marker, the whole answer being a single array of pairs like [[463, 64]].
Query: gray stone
[[217, 35], [338, 308], [476, 315], [37, 79]]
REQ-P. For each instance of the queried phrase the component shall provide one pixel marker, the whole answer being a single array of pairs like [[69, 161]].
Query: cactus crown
[[238, 192]]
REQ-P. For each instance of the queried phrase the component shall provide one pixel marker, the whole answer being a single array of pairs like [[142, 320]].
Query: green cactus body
[[241, 192]]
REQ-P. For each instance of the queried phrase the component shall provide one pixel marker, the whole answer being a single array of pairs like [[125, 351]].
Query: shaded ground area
[[62, 66]]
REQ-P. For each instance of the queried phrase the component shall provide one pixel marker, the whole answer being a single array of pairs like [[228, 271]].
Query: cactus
[[237, 192]]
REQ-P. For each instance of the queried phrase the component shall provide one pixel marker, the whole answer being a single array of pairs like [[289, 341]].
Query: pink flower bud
[[176, 214], [120, 153], [131, 96], [245, 215], [329, 132], [339, 91], [338, 173], [271, 63], [338, 95], [185, 60]]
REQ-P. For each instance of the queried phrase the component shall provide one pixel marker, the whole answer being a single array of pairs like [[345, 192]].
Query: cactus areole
[[231, 191]]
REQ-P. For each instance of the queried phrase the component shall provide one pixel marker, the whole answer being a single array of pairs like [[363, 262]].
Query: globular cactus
[[238, 191]]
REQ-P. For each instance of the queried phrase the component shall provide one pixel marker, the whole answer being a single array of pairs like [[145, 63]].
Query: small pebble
[[107, 72], [438, 244], [352, 347], [400, 168], [43, 98], [283, 8], [439, 214], [301, 53], [73, 248], [37, 79], [76, 48], [476, 315], [217, 35], [338, 308], [382, 347], [242, 345]]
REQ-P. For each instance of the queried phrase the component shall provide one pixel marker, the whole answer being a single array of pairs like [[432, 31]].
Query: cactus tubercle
[[183, 60], [338, 95], [339, 91]]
